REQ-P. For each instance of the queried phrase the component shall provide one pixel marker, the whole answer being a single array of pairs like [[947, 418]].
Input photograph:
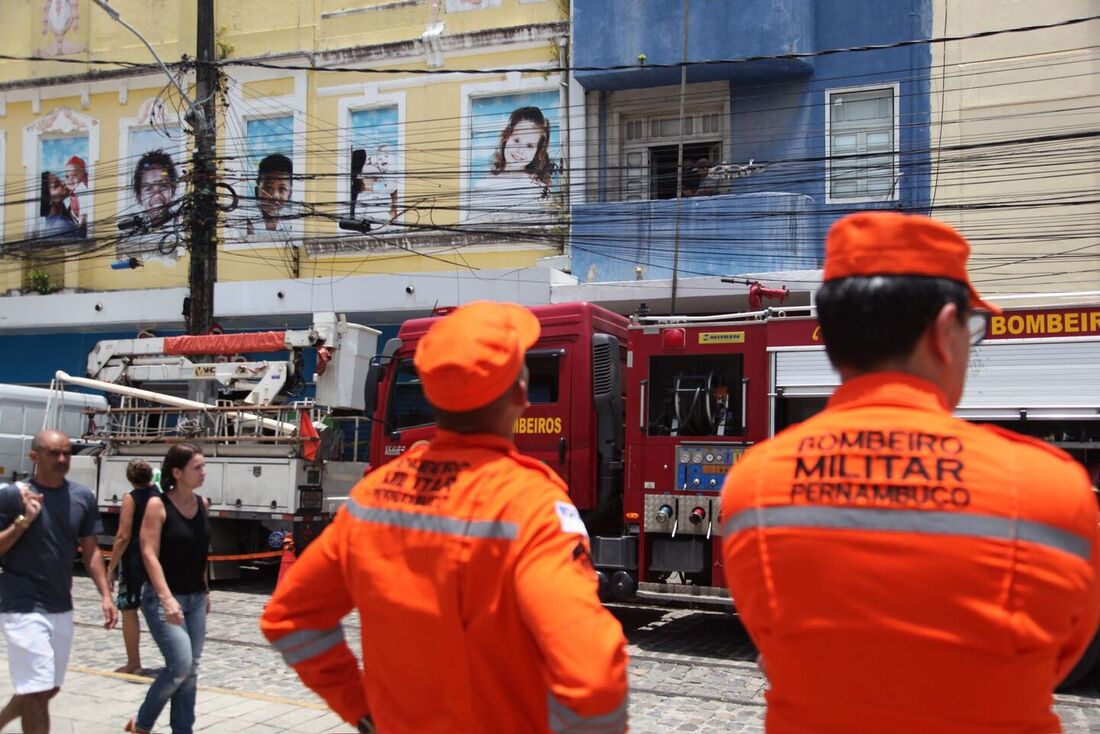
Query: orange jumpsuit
[[902, 570], [470, 570]]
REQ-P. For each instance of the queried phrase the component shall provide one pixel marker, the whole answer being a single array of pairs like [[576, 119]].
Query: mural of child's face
[[274, 194], [522, 145], [371, 172], [72, 176], [58, 189], [382, 159], [156, 190]]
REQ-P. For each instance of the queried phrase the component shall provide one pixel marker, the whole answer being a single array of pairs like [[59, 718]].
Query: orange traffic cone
[[288, 557]]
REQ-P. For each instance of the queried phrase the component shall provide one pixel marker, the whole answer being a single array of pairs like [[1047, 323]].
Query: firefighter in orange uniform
[[899, 569], [468, 564]]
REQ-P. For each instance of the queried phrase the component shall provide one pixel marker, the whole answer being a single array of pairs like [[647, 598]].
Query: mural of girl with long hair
[[520, 172]]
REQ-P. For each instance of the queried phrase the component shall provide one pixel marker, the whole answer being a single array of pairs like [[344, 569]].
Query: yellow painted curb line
[[130, 677]]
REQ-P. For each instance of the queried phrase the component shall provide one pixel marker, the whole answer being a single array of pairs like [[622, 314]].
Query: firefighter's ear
[[947, 336], [520, 389]]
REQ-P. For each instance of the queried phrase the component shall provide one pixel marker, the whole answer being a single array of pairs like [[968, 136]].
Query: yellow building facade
[[354, 137]]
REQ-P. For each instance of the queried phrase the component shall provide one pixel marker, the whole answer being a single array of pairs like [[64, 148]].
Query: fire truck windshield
[[408, 408]]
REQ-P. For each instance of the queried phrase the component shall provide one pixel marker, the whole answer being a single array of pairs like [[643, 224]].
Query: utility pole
[[199, 310], [680, 164]]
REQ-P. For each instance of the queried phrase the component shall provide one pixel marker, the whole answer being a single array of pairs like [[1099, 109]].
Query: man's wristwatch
[[22, 522], [366, 725]]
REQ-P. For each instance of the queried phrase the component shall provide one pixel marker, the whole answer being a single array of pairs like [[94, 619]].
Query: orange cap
[[473, 354], [888, 243]]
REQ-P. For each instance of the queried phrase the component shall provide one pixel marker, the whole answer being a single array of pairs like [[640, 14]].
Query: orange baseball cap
[[888, 243], [472, 355]]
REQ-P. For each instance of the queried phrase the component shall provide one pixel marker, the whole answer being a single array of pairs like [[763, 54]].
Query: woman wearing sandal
[[175, 536], [127, 562]]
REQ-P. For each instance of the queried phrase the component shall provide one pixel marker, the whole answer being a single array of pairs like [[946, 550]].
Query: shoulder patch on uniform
[[1029, 440], [570, 518]]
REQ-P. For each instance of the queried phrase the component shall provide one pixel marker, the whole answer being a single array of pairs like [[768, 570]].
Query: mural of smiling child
[[520, 171], [76, 180]]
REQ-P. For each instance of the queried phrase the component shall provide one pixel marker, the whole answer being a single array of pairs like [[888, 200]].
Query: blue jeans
[[181, 646]]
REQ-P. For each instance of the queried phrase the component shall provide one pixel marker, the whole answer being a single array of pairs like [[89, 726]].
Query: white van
[[23, 413]]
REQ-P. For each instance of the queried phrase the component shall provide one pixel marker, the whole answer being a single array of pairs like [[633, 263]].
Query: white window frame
[[145, 120], [895, 191], [371, 99], [694, 112], [33, 134], [703, 97], [264, 108], [513, 83]]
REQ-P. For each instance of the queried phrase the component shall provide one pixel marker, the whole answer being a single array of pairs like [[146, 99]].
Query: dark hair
[[45, 203], [139, 473], [276, 163], [541, 168], [358, 160], [177, 458], [866, 321], [44, 196], [154, 159]]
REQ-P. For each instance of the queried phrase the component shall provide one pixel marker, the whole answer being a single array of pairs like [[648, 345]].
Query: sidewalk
[[97, 702]]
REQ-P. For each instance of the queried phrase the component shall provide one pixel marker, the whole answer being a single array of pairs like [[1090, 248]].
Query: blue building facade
[[810, 124]]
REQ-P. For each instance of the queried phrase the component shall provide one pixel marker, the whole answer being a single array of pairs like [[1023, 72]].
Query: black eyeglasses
[[977, 324]]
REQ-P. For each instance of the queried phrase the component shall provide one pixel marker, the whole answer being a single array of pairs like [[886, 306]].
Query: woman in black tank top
[[126, 559], [175, 538]]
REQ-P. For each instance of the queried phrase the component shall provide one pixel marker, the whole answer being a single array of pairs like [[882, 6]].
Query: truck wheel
[[1084, 665]]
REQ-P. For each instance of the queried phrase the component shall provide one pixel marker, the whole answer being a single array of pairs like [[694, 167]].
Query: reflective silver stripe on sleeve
[[300, 646], [443, 524], [930, 522], [563, 720], [301, 637]]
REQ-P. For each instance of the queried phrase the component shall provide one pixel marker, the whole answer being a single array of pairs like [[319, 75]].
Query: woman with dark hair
[[57, 220], [175, 537], [126, 558], [520, 170]]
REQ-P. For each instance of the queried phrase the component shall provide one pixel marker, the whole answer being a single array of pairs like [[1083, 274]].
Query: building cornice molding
[[387, 54]]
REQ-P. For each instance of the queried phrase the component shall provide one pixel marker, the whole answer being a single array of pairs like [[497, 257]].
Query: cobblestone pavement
[[690, 671]]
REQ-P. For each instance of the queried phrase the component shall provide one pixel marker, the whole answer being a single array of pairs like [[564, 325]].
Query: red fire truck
[[574, 424], [644, 418]]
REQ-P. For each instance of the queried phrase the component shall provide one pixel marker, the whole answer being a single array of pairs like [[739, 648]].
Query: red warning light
[[674, 338]]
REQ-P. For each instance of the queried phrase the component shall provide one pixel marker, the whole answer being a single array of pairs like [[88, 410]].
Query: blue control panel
[[703, 467]]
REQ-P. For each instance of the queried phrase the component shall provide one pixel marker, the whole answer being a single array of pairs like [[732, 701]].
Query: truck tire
[[1084, 665]]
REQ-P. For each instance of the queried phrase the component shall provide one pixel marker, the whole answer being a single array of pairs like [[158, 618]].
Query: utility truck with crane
[[272, 463]]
